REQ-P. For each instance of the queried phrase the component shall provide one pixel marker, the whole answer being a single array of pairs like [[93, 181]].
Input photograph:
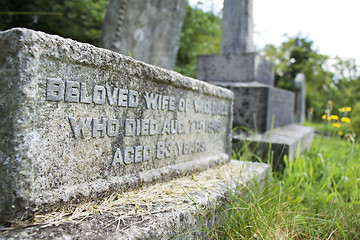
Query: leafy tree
[[77, 19], [338, 82], [201, 34], [296, 55], [346, 82]]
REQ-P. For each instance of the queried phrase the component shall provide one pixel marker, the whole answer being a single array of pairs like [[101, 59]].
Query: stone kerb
[[80, 121]]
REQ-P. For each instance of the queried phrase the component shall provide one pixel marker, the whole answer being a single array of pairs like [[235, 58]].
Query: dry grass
[[129, 208]]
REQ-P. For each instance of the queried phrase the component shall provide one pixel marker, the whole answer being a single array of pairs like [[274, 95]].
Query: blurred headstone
[[237, 27], [148, 30], [258, 105]]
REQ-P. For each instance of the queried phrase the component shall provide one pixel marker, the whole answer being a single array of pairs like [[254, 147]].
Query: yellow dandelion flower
[[337, 125], [345, 120], [334, 117], [324, 117], [340, 133], [348, 109], [341, 109]]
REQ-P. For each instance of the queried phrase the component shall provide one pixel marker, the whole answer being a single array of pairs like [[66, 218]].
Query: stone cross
[[148, 31], [237, 27]]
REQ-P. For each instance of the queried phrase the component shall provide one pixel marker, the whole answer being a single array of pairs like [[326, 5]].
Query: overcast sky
[[333, 25]]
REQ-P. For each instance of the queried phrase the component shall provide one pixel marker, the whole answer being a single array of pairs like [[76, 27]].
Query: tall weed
[[316, 197]]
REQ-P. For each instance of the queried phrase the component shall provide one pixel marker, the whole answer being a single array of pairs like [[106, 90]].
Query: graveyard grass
[[317, 197]]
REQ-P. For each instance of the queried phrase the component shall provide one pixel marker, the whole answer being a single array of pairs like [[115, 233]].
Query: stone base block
[[288, 140], [246, 67], [260, 107], [179, 209]]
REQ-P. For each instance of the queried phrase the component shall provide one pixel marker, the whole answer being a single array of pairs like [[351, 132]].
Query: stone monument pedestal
[[258, 105]]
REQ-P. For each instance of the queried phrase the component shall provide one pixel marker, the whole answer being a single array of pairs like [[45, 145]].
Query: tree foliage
[[77, 19], [336, 82], [201, 34]]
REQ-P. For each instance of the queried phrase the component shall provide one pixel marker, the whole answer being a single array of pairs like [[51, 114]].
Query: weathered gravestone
[[79, 121], [148, 31], [258, 104]]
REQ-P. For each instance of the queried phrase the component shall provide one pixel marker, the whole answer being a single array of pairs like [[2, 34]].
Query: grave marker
[[258, 105], [237, 27], [80, 121], [148, 30]]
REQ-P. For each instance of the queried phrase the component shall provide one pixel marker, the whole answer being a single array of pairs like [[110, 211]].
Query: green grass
[[317, 197]]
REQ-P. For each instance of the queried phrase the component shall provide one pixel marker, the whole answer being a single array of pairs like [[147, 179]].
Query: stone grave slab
[[78, 122], [288, 140]]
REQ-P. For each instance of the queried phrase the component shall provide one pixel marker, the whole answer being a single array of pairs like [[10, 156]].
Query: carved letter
[[165, 102], [153, 127], [160, 150], [112, 97], [54, 89], [147, 153], [112, 128], [133, 100], [129, 155], [138, 153], [166, 127], [117, 158], [80, 127], [172, 104], [96, 128], [123, 97], [72, 93], [151, 100], [130, 127], [99, 95], [83, 94], [198, 107]]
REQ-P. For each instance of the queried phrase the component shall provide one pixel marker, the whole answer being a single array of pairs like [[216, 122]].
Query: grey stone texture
[[260, 107], [179, 209], [237, 27], [79, 122], [235, 68], [300, 98], [148, 30], [288, 140]]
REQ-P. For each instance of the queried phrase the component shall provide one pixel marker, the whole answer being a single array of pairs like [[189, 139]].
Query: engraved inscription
[[203, 116], [163, 149]]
